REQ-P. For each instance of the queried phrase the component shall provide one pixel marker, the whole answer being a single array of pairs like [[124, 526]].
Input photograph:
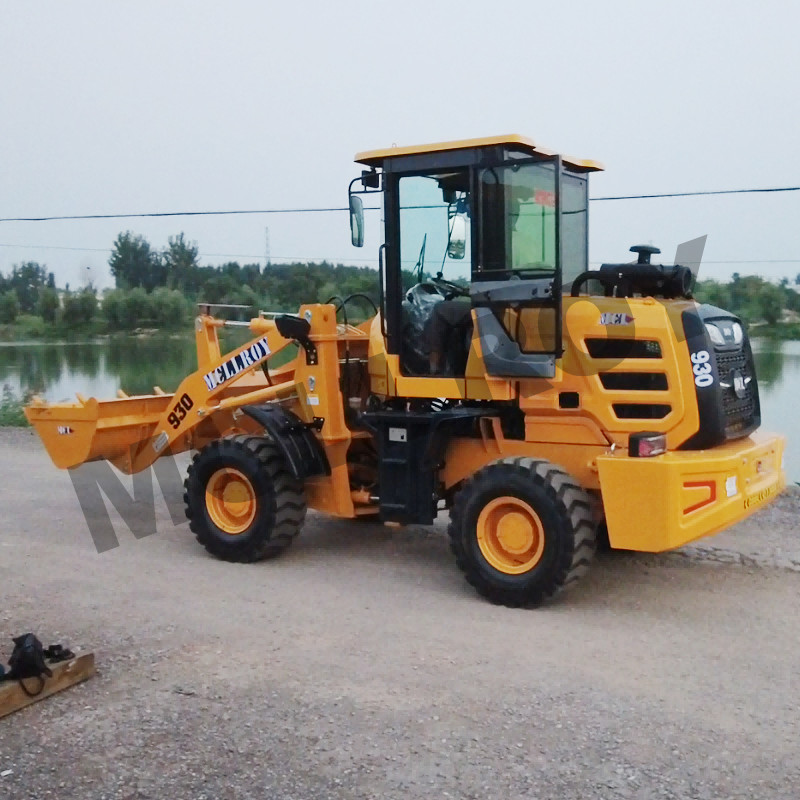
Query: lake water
[[98, 369]]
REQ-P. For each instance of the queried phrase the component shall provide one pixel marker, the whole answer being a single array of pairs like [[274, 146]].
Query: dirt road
[[361, 665]]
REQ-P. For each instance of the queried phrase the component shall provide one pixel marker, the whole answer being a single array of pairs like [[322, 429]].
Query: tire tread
[[575, 506], [289, 500]]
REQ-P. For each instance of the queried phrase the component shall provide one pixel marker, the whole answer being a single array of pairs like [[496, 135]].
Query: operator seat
[[436, 332]]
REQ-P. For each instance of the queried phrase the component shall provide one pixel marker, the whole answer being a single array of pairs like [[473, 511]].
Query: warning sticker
[[609, 318]]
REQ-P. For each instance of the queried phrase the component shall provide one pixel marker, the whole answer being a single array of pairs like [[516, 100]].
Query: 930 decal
[[702, 369], [178, 413]]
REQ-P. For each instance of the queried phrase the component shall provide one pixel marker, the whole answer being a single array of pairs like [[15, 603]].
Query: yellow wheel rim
[[510, 535], [231, 500]]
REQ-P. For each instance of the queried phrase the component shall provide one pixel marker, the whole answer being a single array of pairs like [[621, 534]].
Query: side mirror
[[457, 233], [356, 221]]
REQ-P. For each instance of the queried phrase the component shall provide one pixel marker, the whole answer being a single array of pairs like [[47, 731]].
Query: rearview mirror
[[457, 233], [356, 221]]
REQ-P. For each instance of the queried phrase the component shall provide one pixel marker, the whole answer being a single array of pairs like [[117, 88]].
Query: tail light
[[646, 444]]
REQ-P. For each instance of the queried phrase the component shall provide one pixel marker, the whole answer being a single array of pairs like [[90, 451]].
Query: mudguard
[[304, 455]]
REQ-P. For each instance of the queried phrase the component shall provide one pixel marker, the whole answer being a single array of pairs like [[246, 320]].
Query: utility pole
[[266, 245]]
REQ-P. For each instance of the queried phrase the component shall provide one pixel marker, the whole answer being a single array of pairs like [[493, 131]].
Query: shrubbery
[[11, 409], [48, 305], [79, 308], [29, 326], [135, 308], [751, 297], [9, 307]]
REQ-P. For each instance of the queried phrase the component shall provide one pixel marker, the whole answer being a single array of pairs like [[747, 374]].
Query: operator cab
[[483, 232]]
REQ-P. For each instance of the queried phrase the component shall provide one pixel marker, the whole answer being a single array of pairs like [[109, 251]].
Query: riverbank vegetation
[[770, 309], [11, 414], [160, 289]]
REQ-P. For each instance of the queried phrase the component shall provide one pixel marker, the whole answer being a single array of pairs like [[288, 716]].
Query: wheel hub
[[231, 500], [515, 532], [510, 535]]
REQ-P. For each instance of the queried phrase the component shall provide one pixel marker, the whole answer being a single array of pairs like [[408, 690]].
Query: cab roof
[[375, 158]]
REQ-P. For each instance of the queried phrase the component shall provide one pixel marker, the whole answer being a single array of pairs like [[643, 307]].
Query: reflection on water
[[97, 369], [769, 366], [778, 372], [136, 365]]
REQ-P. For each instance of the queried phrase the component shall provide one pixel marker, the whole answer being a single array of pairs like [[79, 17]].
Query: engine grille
[[741, 408]]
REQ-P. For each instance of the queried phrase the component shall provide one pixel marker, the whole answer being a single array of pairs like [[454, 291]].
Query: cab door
[[432, 238]]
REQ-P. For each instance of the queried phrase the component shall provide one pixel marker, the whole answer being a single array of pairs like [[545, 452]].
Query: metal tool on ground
[[35, 673]]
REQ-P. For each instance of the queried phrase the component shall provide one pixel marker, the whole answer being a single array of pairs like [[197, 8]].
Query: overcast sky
[[115, 107]]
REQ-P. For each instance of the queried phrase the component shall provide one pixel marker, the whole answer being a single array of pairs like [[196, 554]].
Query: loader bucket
[[89, 430]]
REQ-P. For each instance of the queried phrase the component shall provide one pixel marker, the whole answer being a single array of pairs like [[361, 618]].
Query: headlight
[[716, 334], [738, 333]]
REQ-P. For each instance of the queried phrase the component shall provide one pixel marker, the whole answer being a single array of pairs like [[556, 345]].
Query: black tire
[[280, 503], [565, 545]]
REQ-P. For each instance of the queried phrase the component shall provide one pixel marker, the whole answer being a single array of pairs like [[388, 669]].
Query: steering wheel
[[449, 289]]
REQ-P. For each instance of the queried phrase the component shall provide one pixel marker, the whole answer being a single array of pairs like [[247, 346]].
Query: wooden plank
[[65, 674]]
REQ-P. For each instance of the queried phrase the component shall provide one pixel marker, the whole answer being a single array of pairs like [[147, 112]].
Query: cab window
[[428, 208]]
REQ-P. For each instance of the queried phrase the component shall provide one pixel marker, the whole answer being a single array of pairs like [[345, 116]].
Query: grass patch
[[11, 414]]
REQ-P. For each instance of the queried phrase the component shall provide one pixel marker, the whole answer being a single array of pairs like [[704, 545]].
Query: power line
[[695, 194], [181, 214], [368, 208]]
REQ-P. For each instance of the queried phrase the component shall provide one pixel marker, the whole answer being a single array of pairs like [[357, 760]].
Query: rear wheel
[[522, 530], [242, 502]]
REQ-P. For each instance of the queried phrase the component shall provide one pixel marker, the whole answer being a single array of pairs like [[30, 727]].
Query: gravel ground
[[361, 665]]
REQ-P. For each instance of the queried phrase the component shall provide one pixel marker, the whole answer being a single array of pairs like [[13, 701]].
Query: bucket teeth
[[122, 395], [158, 390]]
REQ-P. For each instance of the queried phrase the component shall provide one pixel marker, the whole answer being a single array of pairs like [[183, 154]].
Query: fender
[[303, 452]]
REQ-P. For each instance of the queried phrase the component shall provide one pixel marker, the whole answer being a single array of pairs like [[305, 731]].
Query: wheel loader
[[544, 405]]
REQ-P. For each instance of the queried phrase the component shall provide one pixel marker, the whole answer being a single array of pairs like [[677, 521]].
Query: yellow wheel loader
[[539, 402]]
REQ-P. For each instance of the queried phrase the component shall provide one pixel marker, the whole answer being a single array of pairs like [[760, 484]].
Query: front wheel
[[522, 530], [242, 502]]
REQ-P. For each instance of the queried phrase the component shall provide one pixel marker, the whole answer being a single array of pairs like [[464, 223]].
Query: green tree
[[134, 264], [769, 302], [168, 307], [135, 309], [218, 288], [717, 294], [111, 307], [47, 305], [791, 298], [27, 279], [9, 307], [79, 307], [180, 263]]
